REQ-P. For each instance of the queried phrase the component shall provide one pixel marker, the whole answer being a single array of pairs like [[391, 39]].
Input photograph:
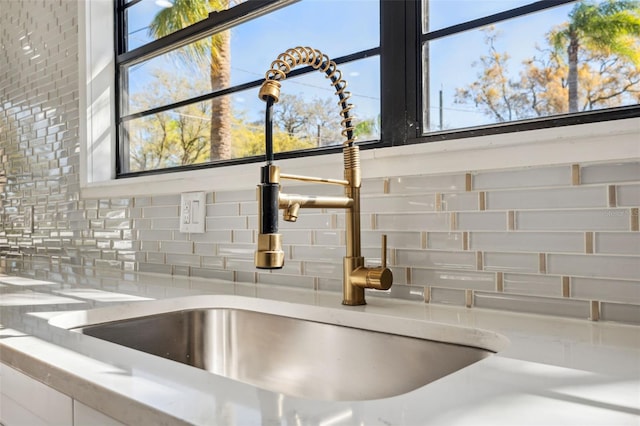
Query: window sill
[[594, 142]]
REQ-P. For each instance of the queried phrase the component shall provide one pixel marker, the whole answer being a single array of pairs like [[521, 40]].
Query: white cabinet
[[87, 416], [25, 401]]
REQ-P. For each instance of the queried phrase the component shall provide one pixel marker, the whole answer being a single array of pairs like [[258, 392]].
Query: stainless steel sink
[[302, 357]]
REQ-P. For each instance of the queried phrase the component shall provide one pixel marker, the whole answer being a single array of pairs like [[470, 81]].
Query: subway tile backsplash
[[555, 240]]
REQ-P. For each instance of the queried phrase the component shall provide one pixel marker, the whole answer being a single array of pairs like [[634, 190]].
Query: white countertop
[[555, 371]]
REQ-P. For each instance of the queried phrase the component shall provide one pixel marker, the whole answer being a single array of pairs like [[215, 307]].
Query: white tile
[[447, 296], [399, 275], [213, 262], [395, 239], [154, 268], [236, 250], [445, 240], [372, 255], [481, 221], [549, 198], [182, 259], [241, 264], [248, 208], [606, 289], [620, 312], [226, 222], [628, 195], [572, 220], [413, 222], [298, 236], [154, 235], [610, 173], [372, 186], [182, 247], [286, 280], [617, 242], [248, 277], [424, 184], [327, 237], [511, 262], [460, 201], [536, 285], [436, 259], [323, 269], [229, 196], [308, 220], [321, 253], [528, 241], [227, 209], [601, 266], [293, 187], [212, 274], [212, 236], [398, 204], [165, 200], [155, 257], [330, 284], [453, 279], [523, 178], [206, 249], [160, 211], [399, 291], [243, 235], [533, 304]]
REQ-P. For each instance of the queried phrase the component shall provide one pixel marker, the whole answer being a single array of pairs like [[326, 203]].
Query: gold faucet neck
[[293, 57], [352, 172]]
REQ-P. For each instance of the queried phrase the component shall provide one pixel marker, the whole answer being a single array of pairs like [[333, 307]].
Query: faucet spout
[[269, 255]]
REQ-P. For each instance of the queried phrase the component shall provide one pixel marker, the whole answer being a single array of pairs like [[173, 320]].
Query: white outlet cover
[[192, 212]]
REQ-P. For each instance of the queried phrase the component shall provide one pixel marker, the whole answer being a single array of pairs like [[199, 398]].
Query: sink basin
[[302, 357]]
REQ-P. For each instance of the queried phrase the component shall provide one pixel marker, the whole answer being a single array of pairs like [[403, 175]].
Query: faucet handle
[[383, 255], [379, 277]]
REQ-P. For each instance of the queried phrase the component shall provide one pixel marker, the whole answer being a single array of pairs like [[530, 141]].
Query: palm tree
[[611, 27], [214, 52]]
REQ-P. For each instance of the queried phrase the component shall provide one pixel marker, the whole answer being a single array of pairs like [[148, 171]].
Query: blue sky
[[313, 23]]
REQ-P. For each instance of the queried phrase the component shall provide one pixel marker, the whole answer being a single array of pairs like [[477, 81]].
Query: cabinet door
[[87, 416], [25, 401]]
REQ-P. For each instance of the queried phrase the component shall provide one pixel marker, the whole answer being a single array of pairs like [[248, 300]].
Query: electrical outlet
[[192, 212]]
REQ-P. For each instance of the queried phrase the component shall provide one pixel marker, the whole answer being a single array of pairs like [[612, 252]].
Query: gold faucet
[[269, 255]]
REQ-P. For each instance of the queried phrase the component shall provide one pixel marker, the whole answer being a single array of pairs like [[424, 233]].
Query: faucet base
[[355, 302], [352, 295]]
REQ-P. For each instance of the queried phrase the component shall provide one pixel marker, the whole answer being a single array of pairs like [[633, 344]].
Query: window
[[417, 70], [493, 66], [189, 94]]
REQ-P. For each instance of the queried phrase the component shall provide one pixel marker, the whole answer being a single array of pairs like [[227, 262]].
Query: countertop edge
[[108, 401]]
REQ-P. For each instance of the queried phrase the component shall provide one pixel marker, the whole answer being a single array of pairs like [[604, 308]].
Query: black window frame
[[401, 76]]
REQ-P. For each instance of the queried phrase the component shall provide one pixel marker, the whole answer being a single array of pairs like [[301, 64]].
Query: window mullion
[[400, 70]]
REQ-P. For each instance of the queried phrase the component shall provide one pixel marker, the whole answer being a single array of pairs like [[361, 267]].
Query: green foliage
[[170, 138], [604, 72], [248, 140], [609, 28], [182, 14]]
